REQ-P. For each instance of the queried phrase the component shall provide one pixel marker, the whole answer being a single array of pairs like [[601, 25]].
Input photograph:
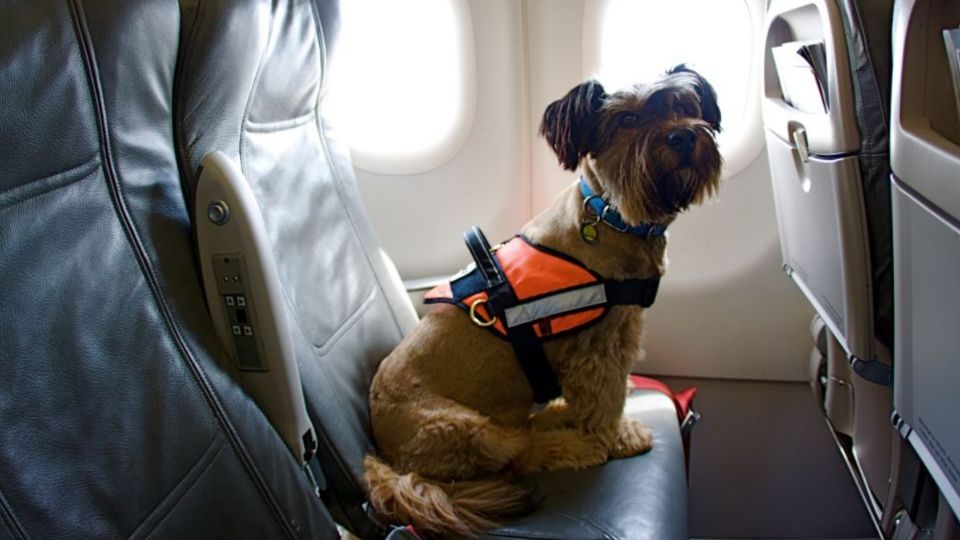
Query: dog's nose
[[682, 140]]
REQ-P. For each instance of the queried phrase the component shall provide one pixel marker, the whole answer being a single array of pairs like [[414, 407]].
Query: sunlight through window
[[403, 90]]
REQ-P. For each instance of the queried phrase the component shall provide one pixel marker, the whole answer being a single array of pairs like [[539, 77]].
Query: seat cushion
[[643, 497]]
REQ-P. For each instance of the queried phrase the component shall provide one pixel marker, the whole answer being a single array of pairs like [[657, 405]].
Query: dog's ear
[[569, 124], [708, 96]]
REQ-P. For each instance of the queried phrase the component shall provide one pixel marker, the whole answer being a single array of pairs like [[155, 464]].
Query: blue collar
[[612, 218]]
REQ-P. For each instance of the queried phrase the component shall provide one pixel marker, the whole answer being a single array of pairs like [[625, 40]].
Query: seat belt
[[682, 400]]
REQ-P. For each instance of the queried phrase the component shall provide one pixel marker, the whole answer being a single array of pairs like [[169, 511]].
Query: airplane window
[[404, 84], [628, 41]]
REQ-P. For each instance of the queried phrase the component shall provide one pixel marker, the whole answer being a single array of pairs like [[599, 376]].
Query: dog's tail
[[442, 508]]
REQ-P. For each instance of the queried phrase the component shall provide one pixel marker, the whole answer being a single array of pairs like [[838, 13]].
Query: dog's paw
[[560, 449], [632, 439]]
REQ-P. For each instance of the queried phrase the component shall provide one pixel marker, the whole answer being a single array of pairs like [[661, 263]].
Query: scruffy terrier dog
[[451, 406]]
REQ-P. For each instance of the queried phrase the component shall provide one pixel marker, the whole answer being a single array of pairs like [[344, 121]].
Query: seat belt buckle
[[313, 480], [403, 533], [692, 418]]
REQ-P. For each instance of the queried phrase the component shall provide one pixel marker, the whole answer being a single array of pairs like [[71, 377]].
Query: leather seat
[[120, 412], [638, 498]]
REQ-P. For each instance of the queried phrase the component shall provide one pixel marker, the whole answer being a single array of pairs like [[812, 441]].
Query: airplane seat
[[925, 163], [120, 414], [825, 112], [256, 93]]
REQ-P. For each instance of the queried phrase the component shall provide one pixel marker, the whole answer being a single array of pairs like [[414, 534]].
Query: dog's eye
[[628, 120]]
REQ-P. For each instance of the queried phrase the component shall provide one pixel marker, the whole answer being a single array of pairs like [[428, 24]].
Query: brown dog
[[451, 405]]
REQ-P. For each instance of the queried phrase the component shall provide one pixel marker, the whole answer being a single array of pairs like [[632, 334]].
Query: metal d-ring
[[477, 320], [610, 223], [603, 213]]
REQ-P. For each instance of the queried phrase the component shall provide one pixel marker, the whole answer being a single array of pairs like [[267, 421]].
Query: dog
[[451, 405]]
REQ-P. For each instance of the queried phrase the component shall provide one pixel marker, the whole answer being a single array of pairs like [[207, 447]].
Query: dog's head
[[651, 147]]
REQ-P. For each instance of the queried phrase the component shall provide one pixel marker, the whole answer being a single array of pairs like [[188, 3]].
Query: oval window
[[629, 41], [404, 87]]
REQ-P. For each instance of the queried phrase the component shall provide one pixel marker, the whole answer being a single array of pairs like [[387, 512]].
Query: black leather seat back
[[867, 28], [252, 88], [119, 414]]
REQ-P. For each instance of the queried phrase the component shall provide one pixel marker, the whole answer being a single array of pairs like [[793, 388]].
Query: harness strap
[[486, 262], [632, 292], [526, 345]]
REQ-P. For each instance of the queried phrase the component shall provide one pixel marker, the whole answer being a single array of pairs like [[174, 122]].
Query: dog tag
[[589, 233]]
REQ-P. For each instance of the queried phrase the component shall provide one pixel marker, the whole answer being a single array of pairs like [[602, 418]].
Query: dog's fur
[[451, 407]]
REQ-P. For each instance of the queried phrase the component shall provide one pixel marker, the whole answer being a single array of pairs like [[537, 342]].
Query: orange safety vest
[[527, 293]]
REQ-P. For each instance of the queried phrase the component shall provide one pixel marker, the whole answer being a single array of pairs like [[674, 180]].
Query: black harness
[[521, 321]]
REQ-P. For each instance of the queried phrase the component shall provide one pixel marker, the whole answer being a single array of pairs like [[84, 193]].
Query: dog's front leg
[[626, 437], [632, 438], [560, 449], [573, 448], [596, 396]]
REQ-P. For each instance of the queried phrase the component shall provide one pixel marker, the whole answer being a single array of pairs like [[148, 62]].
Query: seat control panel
[[231, 275]]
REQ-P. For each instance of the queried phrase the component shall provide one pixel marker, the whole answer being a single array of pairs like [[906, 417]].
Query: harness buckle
[[476, 319]]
